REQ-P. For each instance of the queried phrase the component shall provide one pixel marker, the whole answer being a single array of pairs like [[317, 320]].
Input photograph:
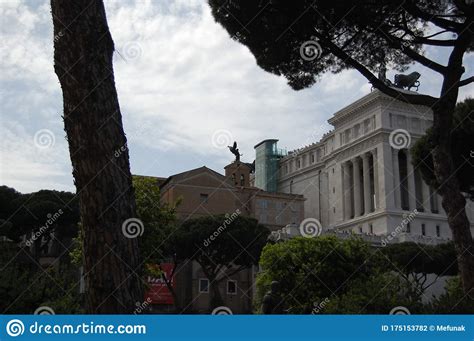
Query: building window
[[334, 189], [408, 228], [438, 231], [334, 210], [203, 285], [242, 180], [371, 229], [262, 203], [356, 130], [312, 158], [347, 135], [361, 230], [231, 287], [298, 164], [333, 171], [367, 126], [204, 197], [291, 187], [423, 230]]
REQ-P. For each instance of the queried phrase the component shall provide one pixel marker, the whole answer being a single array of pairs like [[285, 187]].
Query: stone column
[[385, 174], [346, 190], [426, 196], [376, 179], [411, 183], [396, 179], [357, 192], [366, 174]]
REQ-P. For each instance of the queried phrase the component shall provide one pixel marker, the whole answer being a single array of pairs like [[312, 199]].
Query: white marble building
[[354, 180]]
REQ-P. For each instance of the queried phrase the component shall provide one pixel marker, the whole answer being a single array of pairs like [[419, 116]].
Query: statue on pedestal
[[234, 150]]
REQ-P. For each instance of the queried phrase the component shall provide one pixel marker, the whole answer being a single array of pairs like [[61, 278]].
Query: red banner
[[159, 292]]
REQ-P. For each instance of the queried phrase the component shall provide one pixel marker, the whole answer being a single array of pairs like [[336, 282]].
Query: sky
[[185, 88]]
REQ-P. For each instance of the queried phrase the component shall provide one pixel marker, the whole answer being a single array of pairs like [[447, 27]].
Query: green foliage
[[312, 269], [462, 149], [218, 241], [453, 301], [76, 250], [25, 285], [377, 294], [327, 275], [25, 213], [158, 219], [409, 258]]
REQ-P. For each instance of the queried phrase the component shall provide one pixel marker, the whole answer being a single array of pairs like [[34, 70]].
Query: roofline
[[187, 171], [267, 140]]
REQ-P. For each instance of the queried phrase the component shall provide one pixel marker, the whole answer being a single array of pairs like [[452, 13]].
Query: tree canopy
[[365, 35], [315, 270], [48, 210], [157, 217], [336, 276], [222, 245], [462, 149]]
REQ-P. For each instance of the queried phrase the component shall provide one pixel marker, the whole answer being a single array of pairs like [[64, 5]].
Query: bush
[[327, 269]]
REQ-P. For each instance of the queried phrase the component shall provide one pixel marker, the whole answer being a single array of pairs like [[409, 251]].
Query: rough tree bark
[[83, 52], [216, 297], [453, 200]]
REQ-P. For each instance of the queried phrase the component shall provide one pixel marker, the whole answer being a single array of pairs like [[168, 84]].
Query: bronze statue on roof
[[234, 150]]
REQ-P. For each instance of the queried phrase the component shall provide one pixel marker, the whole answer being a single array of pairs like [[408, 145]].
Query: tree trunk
[[215, 295], [169, 285], [216, 298], [83, 51], [453, 201]]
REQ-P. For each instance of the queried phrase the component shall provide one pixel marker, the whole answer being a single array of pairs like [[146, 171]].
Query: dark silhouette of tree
[[38, 216], [414, 266], [216, 243], [462, 149], [369, 36], [83, 53]]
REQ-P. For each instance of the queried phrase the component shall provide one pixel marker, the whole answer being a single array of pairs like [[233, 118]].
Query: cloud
[[179, 77]]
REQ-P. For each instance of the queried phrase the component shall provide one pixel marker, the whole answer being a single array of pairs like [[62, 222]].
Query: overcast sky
[[185, 88]]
